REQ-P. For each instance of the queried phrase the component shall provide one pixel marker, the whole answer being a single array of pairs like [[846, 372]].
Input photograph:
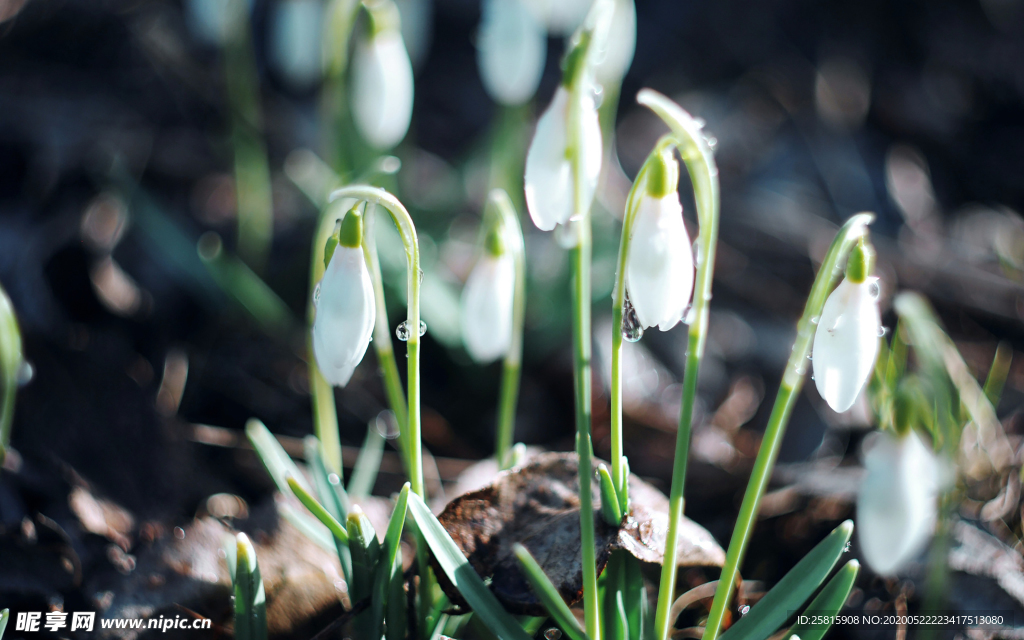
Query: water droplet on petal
[[874, 290], [690, 316], [883, 331], [316, 295], [25, 373], [700, 122], [631, 328]]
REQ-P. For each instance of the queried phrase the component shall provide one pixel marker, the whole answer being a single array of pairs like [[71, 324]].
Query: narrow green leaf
[[332, 496], [997, 373], [386, 566], [4, 616], [624, 494], [279, 465], [396, 614], [610, 508], [828, 602], [250, 597], [364, 474], [317, 509], [636, 597], [461, 574], [793, 590], [366, 555], [548, 594], [309, 526]]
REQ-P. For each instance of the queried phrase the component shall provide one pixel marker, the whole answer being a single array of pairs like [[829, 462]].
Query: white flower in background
[[345, 308], [511, 50], [897, 503], [417, 22], [487, 302], [561, 17], [213, 21], [846, 339], [382, 84], [659, 267], [548, 181], [618, 52], [295, 41]]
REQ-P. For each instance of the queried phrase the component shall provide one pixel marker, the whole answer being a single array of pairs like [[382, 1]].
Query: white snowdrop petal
[[897, 502], [548, 180], [512, 50], [382, 89], [846, 343], [345, 313], [295, 49], [487, 308], [659, 269], [618, 54]]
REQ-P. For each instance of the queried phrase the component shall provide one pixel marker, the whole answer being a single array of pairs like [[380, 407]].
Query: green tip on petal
[[383, 16], [351, 232], [861, 262], [664, 176], [495, 242], [575, 60], [332, 244]]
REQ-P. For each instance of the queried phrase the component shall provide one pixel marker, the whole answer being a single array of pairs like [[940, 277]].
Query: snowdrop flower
[[561, 17], [897, 503], [846, 339], [621, 45], [548, 181], [487, 302], [344, 302], [659, 268], [382, 86], [512, 47]]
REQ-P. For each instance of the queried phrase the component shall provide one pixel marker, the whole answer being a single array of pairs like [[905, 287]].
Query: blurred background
[[163, 166]]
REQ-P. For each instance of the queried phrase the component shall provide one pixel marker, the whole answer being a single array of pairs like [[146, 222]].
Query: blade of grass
[[610, 506], [366, 555], [317, 509], [548, 594], [461, 574], [386, 566], [828, 602], [364, 474], [793, 590]]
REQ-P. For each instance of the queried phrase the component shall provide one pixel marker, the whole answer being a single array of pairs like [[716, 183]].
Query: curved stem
[[10, 365], [382, 344], [792, 381], [618, 299], [407, 230], [700, 164], [500, 203]]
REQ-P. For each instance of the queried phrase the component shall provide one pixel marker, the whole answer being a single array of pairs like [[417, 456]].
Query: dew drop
[[25, 373], [874, 290], [883, 331], [712, 142], [334, 479], [815, 319], [690, 316], [553, 634], [697, 254], [700, 122], [403, 333], [631, 328], [316, 295]]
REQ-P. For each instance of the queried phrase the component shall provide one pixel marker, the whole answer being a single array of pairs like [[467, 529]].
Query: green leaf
[[548, 594], [10, 368], [793, 590], [364, 475], [4, 616], [461, 574], [396, 614], [309, 527], [610, 508], [250, 597], [636, 597], [389, 564], [997, 373], [828, 602], [317, 509], [366, 555], [279, 465], [332, 495]]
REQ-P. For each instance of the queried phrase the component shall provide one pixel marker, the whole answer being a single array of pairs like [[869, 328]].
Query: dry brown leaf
[[537, 505]]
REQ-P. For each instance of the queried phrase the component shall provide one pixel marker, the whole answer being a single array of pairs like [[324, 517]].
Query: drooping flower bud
[[382, 83], [548, 181], [621, 45], [897, 502], [846, 338], [511, 50], [344, 302], [487, 302], [659, 268]]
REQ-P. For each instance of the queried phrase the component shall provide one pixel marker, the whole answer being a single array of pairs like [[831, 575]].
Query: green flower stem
[[10, 366], [406, 228], [700, 164], [252, 171], [501, 204], [792, 381], [325, 414], [618, 298], [382, 336], [413, 440]]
